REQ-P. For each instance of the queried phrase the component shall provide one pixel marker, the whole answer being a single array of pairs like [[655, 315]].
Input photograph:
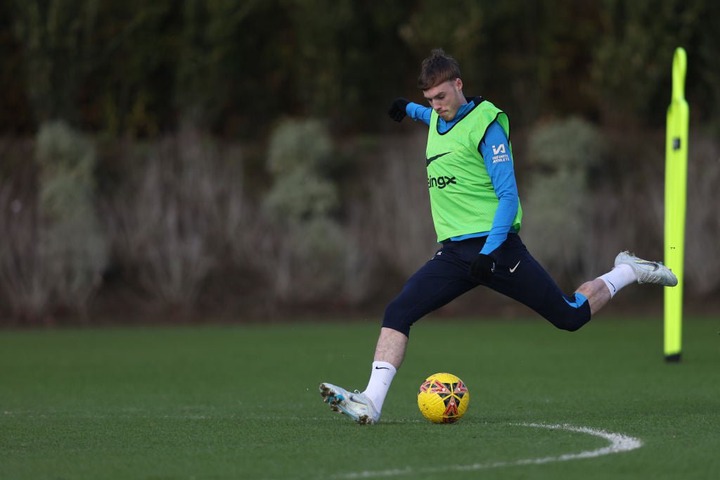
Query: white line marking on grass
[[618, 443]]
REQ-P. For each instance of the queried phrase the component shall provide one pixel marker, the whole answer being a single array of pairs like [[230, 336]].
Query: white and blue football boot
[[647, 271], [355, 405]]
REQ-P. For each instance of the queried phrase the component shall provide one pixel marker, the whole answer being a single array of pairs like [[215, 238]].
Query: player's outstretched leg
[[647, 271], [355, 405]]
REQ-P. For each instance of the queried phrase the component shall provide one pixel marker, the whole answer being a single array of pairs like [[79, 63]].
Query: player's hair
[[439, 67]]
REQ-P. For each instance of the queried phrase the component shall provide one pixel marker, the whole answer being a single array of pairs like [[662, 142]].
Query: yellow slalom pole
[[676, 152]]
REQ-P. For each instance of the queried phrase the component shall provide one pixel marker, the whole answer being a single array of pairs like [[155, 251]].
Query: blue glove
[[482, 267]]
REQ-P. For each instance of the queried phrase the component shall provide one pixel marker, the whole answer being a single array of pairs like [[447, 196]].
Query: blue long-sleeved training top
[[502, 174]]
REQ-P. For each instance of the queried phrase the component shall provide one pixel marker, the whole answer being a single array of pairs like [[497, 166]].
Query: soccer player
[[477, 215]]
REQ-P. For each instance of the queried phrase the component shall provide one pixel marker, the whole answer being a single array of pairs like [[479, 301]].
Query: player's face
[[446, 98]]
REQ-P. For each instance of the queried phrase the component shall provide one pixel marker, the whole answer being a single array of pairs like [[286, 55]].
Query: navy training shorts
[[517, 275]]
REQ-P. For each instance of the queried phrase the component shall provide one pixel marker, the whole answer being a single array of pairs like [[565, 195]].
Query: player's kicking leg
[[365, 407], [628, 269]]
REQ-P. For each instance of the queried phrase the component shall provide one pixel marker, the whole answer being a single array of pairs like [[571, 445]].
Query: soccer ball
[[443, 398]]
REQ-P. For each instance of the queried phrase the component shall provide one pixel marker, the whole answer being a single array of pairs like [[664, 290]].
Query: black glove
[[397, 109], [482, 267]]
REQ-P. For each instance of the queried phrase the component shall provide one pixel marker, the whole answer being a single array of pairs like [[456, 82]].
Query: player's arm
[[419, 113], [495, 150], [402, 107]]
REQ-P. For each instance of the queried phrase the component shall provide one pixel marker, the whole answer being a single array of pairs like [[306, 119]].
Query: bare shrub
[[556, 221], [361, 260], [54, 250], [179, 215], [702, 264], [71, 237], [308, 247], [387, 228], [626, 211], [300, 143], [400, 224], [235, 225], [304, 261], [300, 193], [630, 211], [387, 224], [24, 285]]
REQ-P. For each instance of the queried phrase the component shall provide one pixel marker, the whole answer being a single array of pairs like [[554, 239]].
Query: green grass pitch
[[241, 402]]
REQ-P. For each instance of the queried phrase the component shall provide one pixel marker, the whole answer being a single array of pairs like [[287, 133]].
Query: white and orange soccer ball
[[443, 398]]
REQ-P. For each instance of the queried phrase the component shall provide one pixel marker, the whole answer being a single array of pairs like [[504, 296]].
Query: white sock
[[619, 277], [380, 379]]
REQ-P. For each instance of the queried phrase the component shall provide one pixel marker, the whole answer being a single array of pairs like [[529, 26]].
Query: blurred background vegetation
[[181, 159]]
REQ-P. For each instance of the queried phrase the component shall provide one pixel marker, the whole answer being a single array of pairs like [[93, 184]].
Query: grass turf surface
[[229, 402]]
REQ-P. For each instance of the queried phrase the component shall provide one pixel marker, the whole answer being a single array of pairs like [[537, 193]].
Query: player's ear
[[458, 84]]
